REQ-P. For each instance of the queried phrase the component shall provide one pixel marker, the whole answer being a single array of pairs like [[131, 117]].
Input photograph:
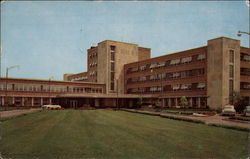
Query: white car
[[51, 107], [247, 111], [229, 110]]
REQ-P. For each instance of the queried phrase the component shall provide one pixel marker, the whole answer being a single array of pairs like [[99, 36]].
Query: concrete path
[[17, 112], [215, 119]]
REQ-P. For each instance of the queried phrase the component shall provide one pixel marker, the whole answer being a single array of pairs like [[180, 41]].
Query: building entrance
[[73, 104]]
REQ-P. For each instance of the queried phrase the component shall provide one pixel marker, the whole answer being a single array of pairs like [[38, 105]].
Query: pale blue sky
[[45, 38]]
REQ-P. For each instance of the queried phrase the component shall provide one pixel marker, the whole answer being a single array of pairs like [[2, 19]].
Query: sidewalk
[[10, 113], [215, 119]]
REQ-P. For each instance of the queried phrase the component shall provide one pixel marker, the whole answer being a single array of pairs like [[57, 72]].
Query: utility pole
[[50, 89], [6, 82], [117, 107]]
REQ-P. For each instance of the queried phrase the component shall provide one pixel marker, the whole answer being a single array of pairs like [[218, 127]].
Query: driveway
[[17, 112]]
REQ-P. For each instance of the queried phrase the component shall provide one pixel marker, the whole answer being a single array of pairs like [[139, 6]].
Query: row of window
[[245, 71], [48, 88], [167, 63], [94, 73], [94, 64], [169, 88], [168, 76], [245, 85], [245, 57], [92, 55], [112, 67], [79, 78]]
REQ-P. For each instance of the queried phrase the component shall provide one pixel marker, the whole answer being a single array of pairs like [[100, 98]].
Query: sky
[[47, 39]]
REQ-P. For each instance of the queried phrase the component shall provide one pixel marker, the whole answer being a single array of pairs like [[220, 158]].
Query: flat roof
[[97, 95], [46, 80]]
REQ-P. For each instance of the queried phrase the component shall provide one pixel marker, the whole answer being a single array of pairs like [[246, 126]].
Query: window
[[134, 69], [231, 87], [112, 86], [175, 87], [161, 64], [231, 71], [142, 68], [112, 56], [112, 66], [186, 59], [201, 57], [231, 56], [154, 65], [175, 62], [112, 48], [201, 85]]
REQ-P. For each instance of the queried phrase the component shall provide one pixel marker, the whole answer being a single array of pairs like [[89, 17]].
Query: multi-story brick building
[[207, 76], [120, 73]]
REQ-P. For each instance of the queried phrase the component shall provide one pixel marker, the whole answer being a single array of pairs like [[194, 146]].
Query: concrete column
[[32, 101], [191, 102], [13, 100], [50, 101], [97, 103], [169, 102], [41, 100], [199, 102], [163, 102], [22, 101], [176, 102]]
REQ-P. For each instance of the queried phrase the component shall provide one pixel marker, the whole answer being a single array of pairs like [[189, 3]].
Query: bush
[[229, 127], [219, 110], [184, 102], [183, 119]]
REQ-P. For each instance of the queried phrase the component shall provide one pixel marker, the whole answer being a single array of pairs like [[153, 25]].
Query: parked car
[[229, 110], [247, 111], [51, 107]]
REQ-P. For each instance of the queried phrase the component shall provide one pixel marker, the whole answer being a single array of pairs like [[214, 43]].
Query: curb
[[188, 120]]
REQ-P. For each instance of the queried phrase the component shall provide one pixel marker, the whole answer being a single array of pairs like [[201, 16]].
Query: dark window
[[112, 48], [231, 87], [112, 56], [231, 71], [112, 86], [112, 76], [231, 56], [112, 66]]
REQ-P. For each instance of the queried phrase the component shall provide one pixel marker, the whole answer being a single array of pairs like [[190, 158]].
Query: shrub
[[229, 127], [184, 102], [183, 119]]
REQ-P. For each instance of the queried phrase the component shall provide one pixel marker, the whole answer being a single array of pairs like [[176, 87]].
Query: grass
[[115, 134]]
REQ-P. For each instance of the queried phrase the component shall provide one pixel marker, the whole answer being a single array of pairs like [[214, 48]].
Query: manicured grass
[[115, 134]]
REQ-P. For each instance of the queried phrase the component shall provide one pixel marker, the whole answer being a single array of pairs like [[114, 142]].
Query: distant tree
[[158, 103], [184, 101], [238, 101], [139, 102]]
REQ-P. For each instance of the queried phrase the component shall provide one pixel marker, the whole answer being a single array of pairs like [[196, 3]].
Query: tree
[[238, 101], [158, 103], [139, 102], [184, 101]]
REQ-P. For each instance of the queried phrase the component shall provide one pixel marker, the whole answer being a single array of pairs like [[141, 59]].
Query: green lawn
[[115, 134]]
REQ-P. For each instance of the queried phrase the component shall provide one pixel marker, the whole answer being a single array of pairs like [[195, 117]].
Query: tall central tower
[[112, 56]]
